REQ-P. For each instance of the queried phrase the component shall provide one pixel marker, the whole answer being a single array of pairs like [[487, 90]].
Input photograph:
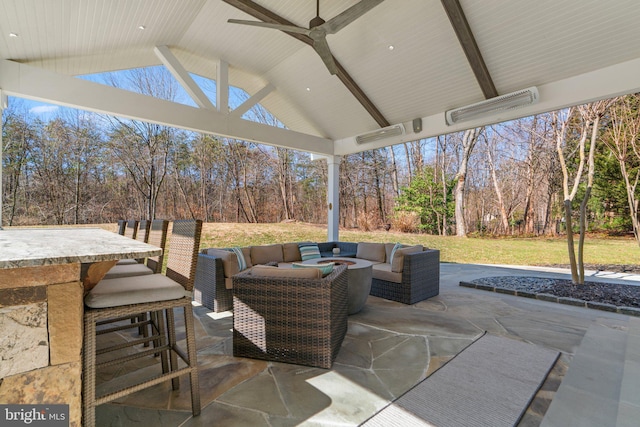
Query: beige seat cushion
[[229, 260], [127, 261], [133, 290], [397, 264], [295, 273], [266, 253], [246, 251], [291, 252], [127, 270], [383, 272], [371, 251], [388, 247]]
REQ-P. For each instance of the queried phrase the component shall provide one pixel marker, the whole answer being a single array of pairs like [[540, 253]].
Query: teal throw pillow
[[309, 251], [242, 264], [393, 252], [324, 268]]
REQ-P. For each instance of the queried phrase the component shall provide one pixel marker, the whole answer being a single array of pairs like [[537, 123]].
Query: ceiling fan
[[319, 28]]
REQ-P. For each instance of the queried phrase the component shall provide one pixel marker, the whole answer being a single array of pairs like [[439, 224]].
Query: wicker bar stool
[[154, 233], [157, 236], [159, 294], [131, 231], [122, 224]]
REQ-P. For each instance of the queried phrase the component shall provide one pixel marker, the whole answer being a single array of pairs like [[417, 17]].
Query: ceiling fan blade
[[322, 48], [287, 28], [340, 21]]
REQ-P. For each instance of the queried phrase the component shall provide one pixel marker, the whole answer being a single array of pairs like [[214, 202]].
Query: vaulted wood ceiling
[[446, 54]]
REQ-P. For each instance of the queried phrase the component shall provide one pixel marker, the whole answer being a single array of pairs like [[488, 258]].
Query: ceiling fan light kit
[[389, 131], [509, 101]]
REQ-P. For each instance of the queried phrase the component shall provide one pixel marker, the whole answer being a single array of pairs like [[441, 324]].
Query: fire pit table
[[359, 272]]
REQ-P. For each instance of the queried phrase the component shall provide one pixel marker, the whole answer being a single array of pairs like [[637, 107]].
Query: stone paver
[[389, 348]]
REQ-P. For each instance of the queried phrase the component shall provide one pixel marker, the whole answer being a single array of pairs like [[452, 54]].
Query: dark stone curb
[[629, 311], [572, 301], [547, 297]]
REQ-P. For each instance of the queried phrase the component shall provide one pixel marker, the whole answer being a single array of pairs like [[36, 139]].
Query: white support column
[[222, 87], [3, 105], [333, 198]]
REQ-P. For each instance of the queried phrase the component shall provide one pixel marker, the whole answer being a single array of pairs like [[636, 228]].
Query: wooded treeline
[[85, 168]]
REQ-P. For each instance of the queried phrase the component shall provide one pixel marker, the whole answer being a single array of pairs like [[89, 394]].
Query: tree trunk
[[504, 218], [394, 173], [469, 140], [570, 246]]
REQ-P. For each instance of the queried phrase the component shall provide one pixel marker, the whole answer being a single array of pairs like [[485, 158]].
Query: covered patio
[[390, 347], [399, 71]]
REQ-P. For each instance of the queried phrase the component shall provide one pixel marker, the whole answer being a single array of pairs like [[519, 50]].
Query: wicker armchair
[[292, 320], [420, 279]]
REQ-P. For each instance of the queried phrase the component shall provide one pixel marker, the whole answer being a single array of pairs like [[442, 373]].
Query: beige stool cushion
[[133, 290], [127, 270]]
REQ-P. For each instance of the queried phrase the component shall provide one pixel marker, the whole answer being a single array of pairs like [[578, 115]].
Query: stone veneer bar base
[[41, 316]]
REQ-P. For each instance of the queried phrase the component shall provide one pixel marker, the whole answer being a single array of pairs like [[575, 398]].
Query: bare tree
[[622, 139], [583, 119], [490, 147], [469, 140]]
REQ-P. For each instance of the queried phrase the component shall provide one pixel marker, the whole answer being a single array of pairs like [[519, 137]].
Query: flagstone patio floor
[[390, 347]]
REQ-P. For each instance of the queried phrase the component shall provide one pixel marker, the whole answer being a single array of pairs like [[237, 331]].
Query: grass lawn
[[472, 250], [514, 251]]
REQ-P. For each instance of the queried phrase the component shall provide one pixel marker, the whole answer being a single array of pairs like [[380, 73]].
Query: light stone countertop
[[33, 247]]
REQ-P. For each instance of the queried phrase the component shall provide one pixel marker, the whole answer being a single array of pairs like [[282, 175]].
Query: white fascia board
[[608, 82], [41, 85]]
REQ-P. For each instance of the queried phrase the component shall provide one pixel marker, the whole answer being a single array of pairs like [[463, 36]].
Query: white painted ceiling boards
[[573, 51]]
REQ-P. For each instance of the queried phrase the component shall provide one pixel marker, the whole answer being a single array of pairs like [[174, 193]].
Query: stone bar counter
[[44, 274]]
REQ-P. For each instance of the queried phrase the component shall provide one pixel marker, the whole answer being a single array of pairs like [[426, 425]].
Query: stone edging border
[[629, 311]]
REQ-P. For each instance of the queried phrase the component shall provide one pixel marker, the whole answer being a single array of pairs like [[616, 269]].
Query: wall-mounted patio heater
[[389, 131], [491, 106]]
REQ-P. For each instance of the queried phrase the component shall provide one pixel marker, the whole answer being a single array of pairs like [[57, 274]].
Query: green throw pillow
[[324, 268], [309, 251]]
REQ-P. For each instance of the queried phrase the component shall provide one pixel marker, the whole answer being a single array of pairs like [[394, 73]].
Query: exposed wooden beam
[[251, 8], [467, 40], [346, 79], [265, 15]]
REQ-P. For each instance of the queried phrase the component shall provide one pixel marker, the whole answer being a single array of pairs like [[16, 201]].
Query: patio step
[[603, 381], [629, 406]]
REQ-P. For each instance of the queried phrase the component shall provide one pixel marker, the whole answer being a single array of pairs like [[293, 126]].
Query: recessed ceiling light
[[13, 35], [391, 47], [141, 27], [308, 89]]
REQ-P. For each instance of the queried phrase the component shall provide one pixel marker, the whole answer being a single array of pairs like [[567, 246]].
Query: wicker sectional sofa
[[412, 275]]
